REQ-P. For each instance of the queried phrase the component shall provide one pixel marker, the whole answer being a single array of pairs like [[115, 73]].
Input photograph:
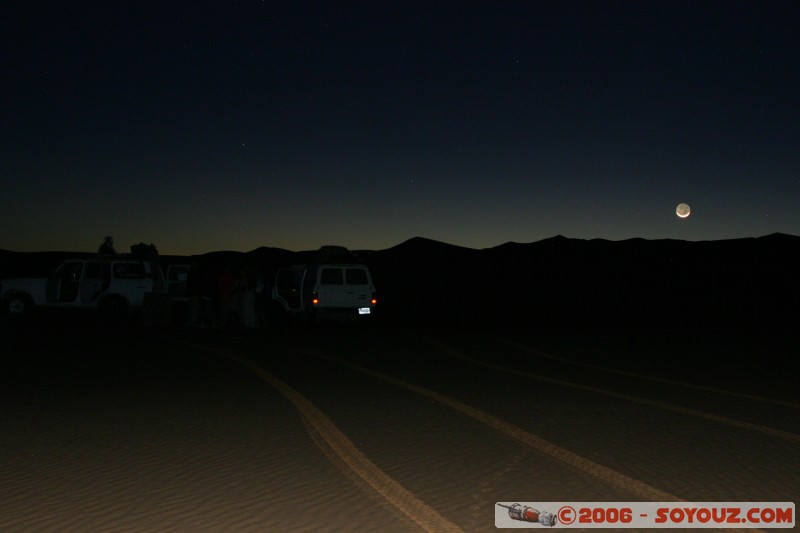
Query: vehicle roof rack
[[335, 254]]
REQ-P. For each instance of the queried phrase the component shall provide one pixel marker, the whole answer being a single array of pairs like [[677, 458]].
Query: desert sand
[[125, 427]]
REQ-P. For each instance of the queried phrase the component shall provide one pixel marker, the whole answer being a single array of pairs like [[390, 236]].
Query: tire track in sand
[[792, 437], [393, 492], [612, 477], [633, 486], [646, 377]]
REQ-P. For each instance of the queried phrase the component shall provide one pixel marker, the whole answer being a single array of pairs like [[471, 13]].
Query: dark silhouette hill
[[429, 250], [555, 281]]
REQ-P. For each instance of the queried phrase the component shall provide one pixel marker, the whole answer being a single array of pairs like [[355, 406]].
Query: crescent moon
[[683, 210]]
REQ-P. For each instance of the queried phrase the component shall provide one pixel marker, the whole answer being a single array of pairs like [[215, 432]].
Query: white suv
[[112, 285], [335, 283], [325, 290]]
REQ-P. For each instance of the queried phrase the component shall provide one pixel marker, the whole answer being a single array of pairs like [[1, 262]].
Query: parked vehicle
[[326, 287], [111, 285], [177, 277]]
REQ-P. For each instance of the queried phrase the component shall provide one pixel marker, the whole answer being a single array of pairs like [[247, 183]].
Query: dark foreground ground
[[124, 427]]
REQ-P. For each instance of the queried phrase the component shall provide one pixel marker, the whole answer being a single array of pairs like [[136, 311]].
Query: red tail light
[[315, 298]]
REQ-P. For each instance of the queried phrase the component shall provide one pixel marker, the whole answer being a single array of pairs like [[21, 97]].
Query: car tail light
[[315, 298], [374, 300]]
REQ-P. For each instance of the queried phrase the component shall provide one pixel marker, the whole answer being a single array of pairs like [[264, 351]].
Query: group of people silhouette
[[236, 299]]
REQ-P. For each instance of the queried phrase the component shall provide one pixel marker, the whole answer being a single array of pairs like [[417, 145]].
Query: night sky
[[202, 126]]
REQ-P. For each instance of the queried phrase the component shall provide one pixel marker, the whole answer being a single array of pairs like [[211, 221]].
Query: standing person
[[194, 298], [263, 296], [224, 293], [248, 298], [107, 248]]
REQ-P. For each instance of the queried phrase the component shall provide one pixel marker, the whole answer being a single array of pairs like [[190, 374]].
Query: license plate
[[364, 310]]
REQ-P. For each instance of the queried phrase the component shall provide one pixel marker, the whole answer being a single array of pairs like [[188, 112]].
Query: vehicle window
[[129, 271], [286, 280], [356, 276], [94, 270], [71, 271], [331, 276], [178, 274]]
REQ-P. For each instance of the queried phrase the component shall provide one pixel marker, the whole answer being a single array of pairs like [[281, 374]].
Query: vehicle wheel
[[18, 305]]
